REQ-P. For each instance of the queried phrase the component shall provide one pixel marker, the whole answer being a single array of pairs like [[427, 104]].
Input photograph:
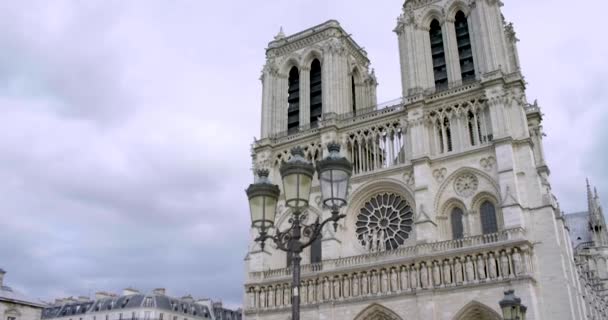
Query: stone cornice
[[313, 35]]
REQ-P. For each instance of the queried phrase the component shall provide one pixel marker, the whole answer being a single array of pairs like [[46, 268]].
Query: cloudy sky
[[125, 128]]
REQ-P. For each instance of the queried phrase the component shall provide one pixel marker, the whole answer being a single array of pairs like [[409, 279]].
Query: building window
[[148, 302], [488, 218], [11, 318], [456, 218], [120, 316], [316, 93], [463, 39], [160, 316], [316, 251], [438, 55], [293, 100], [133, 315], [107, 317], [147, 315]]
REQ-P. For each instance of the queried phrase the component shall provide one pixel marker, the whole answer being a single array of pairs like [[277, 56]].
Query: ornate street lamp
[[297, 174], [511, 306]]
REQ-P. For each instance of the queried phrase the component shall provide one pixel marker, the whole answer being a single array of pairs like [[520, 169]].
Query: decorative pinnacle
[[333, 147], [280, 35], [297, 151], [263, 173]]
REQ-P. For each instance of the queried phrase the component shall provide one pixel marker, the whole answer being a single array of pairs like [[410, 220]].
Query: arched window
[[354, 96], [293, 111], [438, 52], [316, 251], [457, 226], [463, 39], [440, 136], [489, 222], [316, 94]]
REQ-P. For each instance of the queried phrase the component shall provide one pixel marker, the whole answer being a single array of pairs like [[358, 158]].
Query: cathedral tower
[[450, 202]]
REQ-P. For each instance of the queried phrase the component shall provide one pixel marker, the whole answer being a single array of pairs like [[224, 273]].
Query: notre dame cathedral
[[450, 202]]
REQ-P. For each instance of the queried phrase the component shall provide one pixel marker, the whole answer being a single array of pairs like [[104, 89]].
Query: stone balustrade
[[503, 256]]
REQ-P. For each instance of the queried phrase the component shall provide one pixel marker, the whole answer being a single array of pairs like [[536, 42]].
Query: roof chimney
[[101, 295], [159, 291], [129, 292], [2, 273]]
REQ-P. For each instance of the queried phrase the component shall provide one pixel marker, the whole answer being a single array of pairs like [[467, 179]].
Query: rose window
[[384, 222]]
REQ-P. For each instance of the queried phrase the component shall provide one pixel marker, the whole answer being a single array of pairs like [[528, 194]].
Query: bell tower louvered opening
[[463, 39], [293, 100], [316, 94], [437, 50]]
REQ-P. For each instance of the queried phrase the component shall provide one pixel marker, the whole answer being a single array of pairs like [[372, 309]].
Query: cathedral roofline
[[282, 41]]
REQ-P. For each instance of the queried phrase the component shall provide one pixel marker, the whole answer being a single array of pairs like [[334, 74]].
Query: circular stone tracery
[[384, 222], [466, 184]]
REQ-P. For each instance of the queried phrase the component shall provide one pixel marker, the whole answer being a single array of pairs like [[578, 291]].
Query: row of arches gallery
[[472, 311]]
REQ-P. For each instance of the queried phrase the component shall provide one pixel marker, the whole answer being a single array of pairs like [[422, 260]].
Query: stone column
[[451, 53], [304, 96]]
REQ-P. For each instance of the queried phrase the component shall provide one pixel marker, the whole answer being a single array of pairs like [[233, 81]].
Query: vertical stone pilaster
[[451, 53], [304, 96]]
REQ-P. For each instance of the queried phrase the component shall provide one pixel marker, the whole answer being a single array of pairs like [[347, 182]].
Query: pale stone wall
[[19, 311]]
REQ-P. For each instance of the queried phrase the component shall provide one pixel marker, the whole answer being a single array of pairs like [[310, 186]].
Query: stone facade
[[133, 305], [16, 306], [450, 201]]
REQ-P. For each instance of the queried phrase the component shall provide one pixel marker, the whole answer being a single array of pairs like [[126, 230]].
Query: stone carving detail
[[440, 174], [487, 163], [384, 222], [466, 184], [409, 179]]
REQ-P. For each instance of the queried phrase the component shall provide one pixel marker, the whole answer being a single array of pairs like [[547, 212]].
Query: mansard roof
[[159, 301], [283, 45]]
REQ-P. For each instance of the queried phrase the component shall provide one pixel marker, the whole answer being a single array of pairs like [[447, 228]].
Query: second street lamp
[[297, 175]]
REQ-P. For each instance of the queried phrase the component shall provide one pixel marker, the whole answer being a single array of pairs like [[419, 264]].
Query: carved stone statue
[[252, 298], [336, 292], [319, 292], [345, 287], [394, 281], [364, 284], [491, 266], [326, 290], [311, 292], [481, 268], [436, 274], [424, 276], [381, 241], [374, 280], [356, 285], [413, 277], [374, 241], [405, 278], [271, 297], [517, 263], [458, 271], [504, 265], [383, 281], [469, 270], [262, 298], [447, 272]]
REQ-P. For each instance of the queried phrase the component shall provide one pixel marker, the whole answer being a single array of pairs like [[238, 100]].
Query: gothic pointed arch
[[316, 92], [475, 310], [377, 312], [485, 183]]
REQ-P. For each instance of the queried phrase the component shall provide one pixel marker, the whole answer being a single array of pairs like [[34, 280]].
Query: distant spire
[[589, 198], [280, 35]]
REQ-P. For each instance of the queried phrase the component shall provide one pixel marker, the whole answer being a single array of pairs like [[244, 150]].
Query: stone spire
[[589, 198]]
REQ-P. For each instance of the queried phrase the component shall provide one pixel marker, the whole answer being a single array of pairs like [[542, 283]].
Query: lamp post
[[511, 306], [297, 174]]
